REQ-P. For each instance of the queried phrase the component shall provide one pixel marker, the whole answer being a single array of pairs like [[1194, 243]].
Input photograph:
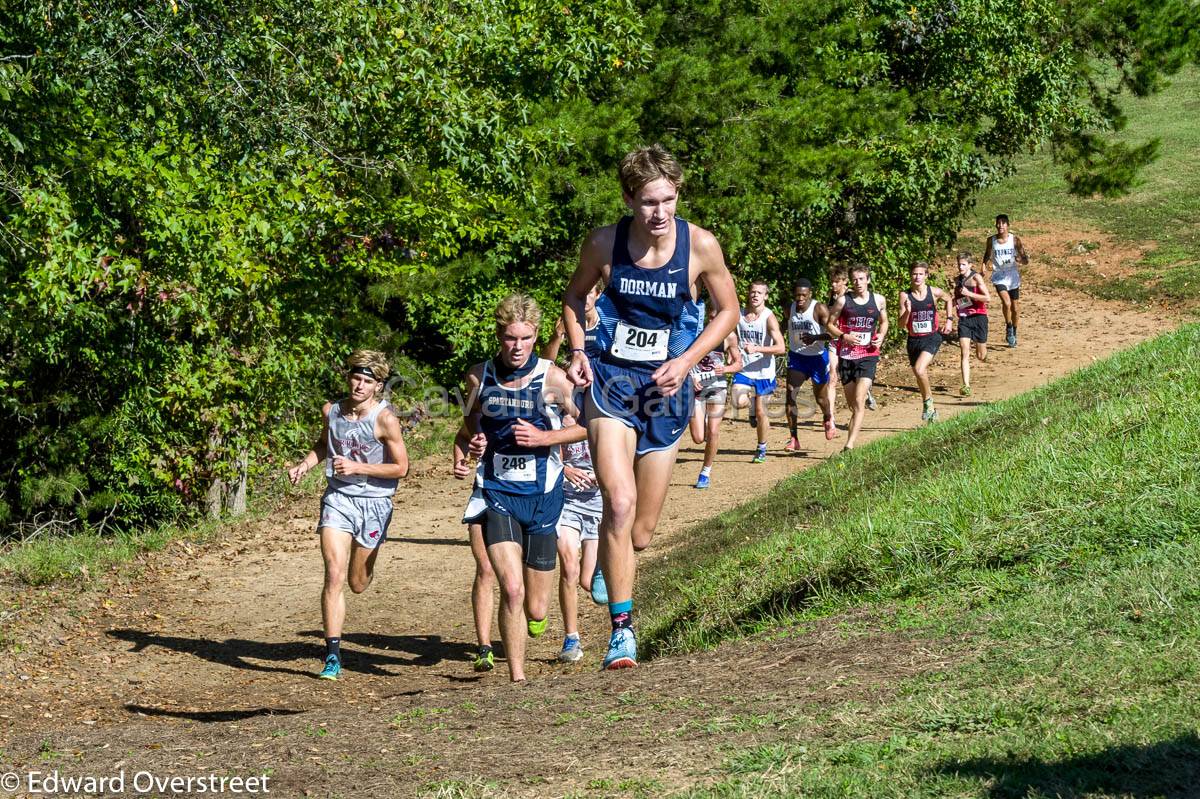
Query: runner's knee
[[512, 590], [568, 568], [620, 506], [360, 583], [335, 576]]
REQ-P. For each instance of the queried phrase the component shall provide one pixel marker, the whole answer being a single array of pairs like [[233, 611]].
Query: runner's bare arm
[[881, 331], [733, 355], [821, 317], [387, 430], [987, 252], [708, 264], [778, 346], [465, 439], [554, 343], [948, 304], [558, 392], [1022, 257], [983, 295], [594, 265], [905, 309], [319, 451]]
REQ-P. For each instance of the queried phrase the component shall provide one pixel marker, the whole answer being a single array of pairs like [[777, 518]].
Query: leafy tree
[[205, 205], [200, 194]]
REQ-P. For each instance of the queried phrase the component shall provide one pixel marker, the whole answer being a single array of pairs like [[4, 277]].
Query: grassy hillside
[[1163, 207], [1054, 535]]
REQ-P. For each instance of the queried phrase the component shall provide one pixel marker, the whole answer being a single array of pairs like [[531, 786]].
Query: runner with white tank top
[[1003, 253], [364, 456], [808, 359], [760, 339]]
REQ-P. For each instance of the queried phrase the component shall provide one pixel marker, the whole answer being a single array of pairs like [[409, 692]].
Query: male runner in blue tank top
[[365, 456], [522, 404], [650, 337]]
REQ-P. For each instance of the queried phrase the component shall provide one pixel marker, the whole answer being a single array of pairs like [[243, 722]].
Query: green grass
[[86, 555], [1032, 485], [1163, 207], [1051, 538]]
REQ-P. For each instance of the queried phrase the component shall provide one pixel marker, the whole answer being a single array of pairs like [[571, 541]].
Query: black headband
[[362, 370]]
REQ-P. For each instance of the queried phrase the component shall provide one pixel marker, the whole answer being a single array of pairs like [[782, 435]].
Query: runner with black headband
[[364, 456]]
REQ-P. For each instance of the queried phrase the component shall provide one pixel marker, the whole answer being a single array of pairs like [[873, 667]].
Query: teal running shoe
[[599, 588], [622, 649], [332, 670]]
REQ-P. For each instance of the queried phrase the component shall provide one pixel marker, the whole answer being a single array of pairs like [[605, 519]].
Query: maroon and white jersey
[[705, 370], [860, 320], [922, 314], [967, 306]]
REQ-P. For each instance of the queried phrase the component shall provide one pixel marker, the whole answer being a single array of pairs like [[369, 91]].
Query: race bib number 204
[[639, 344]]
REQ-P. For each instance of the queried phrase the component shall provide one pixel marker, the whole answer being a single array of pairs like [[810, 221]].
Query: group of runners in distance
[[570, 465]]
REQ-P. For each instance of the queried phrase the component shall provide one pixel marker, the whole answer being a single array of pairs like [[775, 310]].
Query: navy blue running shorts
[[631, 397]]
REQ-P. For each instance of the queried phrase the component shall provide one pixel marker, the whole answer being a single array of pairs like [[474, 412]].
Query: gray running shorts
[[365, 519], [585, 521]]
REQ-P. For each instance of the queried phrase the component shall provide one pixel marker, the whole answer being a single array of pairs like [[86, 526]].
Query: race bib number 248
[[518, 468]]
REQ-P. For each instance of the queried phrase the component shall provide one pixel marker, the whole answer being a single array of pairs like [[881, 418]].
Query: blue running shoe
[[572, 649], [702, 481], [599, 588], [332, 670], [622, 649]]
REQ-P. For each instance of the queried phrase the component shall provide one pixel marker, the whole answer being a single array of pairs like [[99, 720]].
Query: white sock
[[706, 470]]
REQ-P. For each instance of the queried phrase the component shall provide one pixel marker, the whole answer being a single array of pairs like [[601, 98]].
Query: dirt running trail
[[205, 661]]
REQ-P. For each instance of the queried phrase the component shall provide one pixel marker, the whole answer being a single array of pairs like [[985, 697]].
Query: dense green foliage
[[199, 197], [206, 205]]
